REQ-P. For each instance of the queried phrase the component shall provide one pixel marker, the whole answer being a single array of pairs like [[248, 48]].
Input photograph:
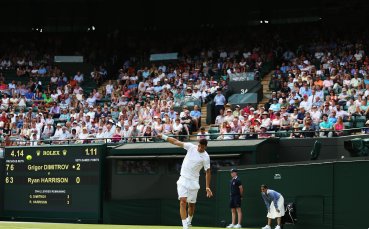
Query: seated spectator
[[196, 93], [203, 134], [296, 131], [305, 103], [265, 121], [148, 134], [118, 134], [275, 106], [236, 127], [57, 132], [276, 122], [220, 118], [251, 134], [29, 95], [83, 136], [135, 133], [237, 111], [332, 117], [157, 126], [49, 119], [4, 87], [65, 116], [196, 117], [5, 102], [301, 115], [186, 121], [65, 135], [99, 135], [338, 127], [55, 110], [22, 102], [47, 132], [285, 123], [177, 127], [14, 130], [34, 141], [229, 116], [79, 78], [228, 134], [325, 127], [127, 132], [257, 125], [263, 132], [167, 126]]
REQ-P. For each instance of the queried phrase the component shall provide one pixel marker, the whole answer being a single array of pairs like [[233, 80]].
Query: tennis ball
[[29, 157]]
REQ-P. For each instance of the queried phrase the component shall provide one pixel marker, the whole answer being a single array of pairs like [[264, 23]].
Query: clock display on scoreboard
[[53, 181]]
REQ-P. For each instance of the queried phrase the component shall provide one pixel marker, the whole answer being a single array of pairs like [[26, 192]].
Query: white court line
[[18, 227], [24, 222]]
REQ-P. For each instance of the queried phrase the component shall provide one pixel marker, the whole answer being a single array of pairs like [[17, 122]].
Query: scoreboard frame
[[53, 183]]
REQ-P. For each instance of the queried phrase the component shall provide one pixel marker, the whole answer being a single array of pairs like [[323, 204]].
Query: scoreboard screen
[[55, 182]]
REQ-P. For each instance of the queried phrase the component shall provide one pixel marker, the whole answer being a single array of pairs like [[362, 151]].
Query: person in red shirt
[[3, 117], [72, 82], [3, 86], [247, 108]]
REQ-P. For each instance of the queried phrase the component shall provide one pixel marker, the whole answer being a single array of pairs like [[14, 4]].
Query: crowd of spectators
[[136, 106], [319, 89], [318, 86]]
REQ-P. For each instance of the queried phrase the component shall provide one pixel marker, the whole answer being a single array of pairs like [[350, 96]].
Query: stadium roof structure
[[105, 15]]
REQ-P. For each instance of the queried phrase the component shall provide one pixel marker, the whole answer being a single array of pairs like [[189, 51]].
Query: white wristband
[[165, 137]]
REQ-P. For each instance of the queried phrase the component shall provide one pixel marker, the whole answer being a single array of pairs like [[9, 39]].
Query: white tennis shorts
[[272, 214], [187, 188]]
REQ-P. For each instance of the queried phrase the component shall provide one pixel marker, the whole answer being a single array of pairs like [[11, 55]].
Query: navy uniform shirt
[[235, 184]]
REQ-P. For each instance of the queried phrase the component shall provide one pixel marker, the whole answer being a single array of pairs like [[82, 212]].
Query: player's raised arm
[[170, 140]]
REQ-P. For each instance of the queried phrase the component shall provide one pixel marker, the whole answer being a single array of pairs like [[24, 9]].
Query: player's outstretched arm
[[171, 140]]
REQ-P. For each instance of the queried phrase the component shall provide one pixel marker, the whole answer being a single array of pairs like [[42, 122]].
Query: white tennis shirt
[[193, 162]]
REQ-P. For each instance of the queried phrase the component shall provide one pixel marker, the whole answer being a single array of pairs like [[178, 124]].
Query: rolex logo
[[38, 152], [65, 152]]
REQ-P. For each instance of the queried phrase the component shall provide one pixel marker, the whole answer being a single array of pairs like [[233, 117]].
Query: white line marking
[[19, 227]]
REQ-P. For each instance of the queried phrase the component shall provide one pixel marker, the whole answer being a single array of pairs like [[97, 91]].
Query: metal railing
[[209, 136]]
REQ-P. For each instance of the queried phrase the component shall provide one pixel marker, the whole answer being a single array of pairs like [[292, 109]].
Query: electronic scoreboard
[[53, 182]]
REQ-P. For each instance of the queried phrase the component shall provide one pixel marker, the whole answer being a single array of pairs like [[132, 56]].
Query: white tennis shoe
[[188, 223]]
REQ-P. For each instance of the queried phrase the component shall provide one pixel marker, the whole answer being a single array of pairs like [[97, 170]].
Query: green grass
[[17, 225]]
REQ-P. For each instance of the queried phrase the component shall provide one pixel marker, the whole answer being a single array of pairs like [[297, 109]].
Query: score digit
[[9, 167], [17, 153], [9, 180], [91, 152]]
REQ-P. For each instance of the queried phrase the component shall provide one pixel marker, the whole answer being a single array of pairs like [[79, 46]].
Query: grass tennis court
[[18, 225]]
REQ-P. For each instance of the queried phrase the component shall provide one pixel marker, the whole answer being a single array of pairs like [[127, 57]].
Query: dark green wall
[[350, 190], [292, 150], [156, 212], [326, 194], [152, 199]]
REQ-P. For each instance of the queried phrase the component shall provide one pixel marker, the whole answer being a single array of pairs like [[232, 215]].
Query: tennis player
[[188, 183]]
